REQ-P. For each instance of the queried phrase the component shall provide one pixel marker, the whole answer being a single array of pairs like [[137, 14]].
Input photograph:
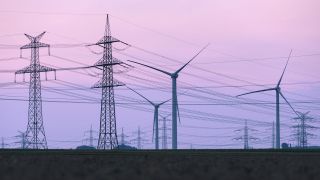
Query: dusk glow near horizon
[[249, 44]]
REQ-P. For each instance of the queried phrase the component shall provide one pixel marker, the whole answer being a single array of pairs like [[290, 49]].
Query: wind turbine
[[155, 117], [174, 77], [277, 89]]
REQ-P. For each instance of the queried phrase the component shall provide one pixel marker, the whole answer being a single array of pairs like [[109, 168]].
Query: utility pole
[[35, 134], [108, 126]]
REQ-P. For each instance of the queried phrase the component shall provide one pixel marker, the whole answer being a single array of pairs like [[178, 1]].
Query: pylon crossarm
[[31, 69], [34, 45], [103, 62], [102, 84], [107, 40]]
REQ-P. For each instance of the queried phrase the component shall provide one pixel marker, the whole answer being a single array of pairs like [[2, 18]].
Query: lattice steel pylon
[[108, 127], [35, 134]]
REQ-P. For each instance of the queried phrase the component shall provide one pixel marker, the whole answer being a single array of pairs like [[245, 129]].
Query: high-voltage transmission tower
[[92, 136], [3, 144], [302, 128], [22, 141], [35, 134], [139, 145], [108, 127], [123, 136], [164, 131], [139, 140], [246, 137]]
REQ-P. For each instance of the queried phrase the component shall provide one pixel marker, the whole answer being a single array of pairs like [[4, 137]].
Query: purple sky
[[249, 41]]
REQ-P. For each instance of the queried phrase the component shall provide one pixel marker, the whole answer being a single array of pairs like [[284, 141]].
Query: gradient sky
[[249, 42]]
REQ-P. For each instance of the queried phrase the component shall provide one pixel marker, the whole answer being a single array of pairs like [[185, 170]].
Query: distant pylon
[[164, 136], [92, 136], [3, 144], [22, 140], [139, 140], [108, 127], [139, 145], [302, 128], [246, 137], [35, 134], [164, 131], [123, 136]]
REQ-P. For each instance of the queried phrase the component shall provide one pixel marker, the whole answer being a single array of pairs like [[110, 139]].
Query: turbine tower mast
[[174, 77], [35, 134], [108, 127], [273, 136]]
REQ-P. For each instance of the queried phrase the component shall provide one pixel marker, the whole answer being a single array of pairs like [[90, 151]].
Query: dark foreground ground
[[153, 165]]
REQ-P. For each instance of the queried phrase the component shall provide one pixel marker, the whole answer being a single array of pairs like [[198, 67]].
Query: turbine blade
[[270, 89], [141, 95], [192, 59], [178, 110], [165, 72], [289, 105], [164, 102], [279, 82], [154, 120]]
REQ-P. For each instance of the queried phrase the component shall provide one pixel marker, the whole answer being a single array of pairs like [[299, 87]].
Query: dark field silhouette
[[153, 165]]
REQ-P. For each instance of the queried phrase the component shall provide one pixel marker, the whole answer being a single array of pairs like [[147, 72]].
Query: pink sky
[[236, 29]]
